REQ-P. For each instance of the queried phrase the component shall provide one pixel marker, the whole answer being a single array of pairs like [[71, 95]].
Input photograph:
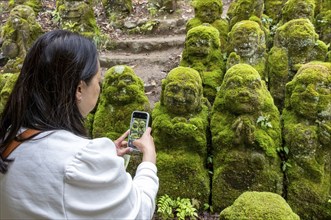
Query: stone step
[[143, 44], [154, 57]]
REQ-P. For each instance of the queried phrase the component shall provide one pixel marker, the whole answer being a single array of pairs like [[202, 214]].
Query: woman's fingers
[[119, 141]]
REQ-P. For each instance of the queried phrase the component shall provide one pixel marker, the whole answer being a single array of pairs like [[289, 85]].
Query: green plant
[[56, 16], [208, 207], [69, 25], [165, 207], [181, 208], [283, 152], [264, 122]]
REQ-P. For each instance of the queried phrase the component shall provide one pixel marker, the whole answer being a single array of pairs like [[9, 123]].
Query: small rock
[[130, 24]]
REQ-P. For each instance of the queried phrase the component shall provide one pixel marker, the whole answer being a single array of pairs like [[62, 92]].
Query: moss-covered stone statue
[[250, 10], [244, 9], [34, 4], [322, 6], [323, 26], [295, 44], [18, 34], [246, 132], [294, 9], [122, 93], [116, 9], [180, 121], [307, 135], [259, 205], [78, 16], [202, 52], [210, 11], [247, 45], [7, 82], [273, 9]]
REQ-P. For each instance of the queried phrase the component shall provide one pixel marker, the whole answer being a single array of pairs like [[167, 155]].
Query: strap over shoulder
[[28, 133]]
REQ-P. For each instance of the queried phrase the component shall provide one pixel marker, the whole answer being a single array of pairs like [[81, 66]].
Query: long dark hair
[[44, 96]]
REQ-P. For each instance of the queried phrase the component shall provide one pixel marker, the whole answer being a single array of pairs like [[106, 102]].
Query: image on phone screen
[[138, 125]]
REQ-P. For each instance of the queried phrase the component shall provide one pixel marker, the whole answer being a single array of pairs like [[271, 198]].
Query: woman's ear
[[79, 93]]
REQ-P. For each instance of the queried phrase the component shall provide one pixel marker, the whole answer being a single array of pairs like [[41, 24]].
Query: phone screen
[[138, 125]]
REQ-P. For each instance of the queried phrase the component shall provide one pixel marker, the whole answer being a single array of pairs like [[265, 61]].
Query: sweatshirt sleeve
[[96, 185]]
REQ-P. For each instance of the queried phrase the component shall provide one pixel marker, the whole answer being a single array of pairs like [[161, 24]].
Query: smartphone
[[138, 125]]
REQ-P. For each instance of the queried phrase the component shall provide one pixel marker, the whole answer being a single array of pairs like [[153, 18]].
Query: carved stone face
[[242, 89], [199, 45], [182, 91], [296, 35], [121, 85], [208, 13], [295, 9], [21, 14], [245, 38], [311, 93], [202, 40]]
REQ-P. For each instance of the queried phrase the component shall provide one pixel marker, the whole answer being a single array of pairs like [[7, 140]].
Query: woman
[[58, 173]]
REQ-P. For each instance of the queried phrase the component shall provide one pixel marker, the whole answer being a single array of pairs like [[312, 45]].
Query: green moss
[[187, 133], [9, 81], [117, 8], [273, 9], [36, 5], [323, 26], [182, 91], [78, 17], [294, 9], [322, 6], [298, 43], [19, 32], [122, 93], [241, 171], [247, 40], [259, 205], [180, 119], [182, 174], [244, 9], [210, 12], [211, 84], [296, 33], [244, 149], [278, 74], [202, 52], [307, 131]]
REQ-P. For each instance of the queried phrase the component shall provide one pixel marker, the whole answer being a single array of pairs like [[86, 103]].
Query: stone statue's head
[[182, 91], [309, 92], [21, 14], [294, 9], [242, 91], [122, 86], [296, 35], [208, 10], [202, 40], [247, 38]]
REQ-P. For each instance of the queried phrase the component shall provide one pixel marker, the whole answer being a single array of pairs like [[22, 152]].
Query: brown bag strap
[[16, 142]]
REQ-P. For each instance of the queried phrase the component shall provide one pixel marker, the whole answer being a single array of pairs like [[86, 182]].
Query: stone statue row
[[246, 110]]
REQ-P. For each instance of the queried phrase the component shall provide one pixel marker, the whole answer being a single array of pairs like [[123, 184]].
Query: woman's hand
[[122, 145], [146, 145]]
